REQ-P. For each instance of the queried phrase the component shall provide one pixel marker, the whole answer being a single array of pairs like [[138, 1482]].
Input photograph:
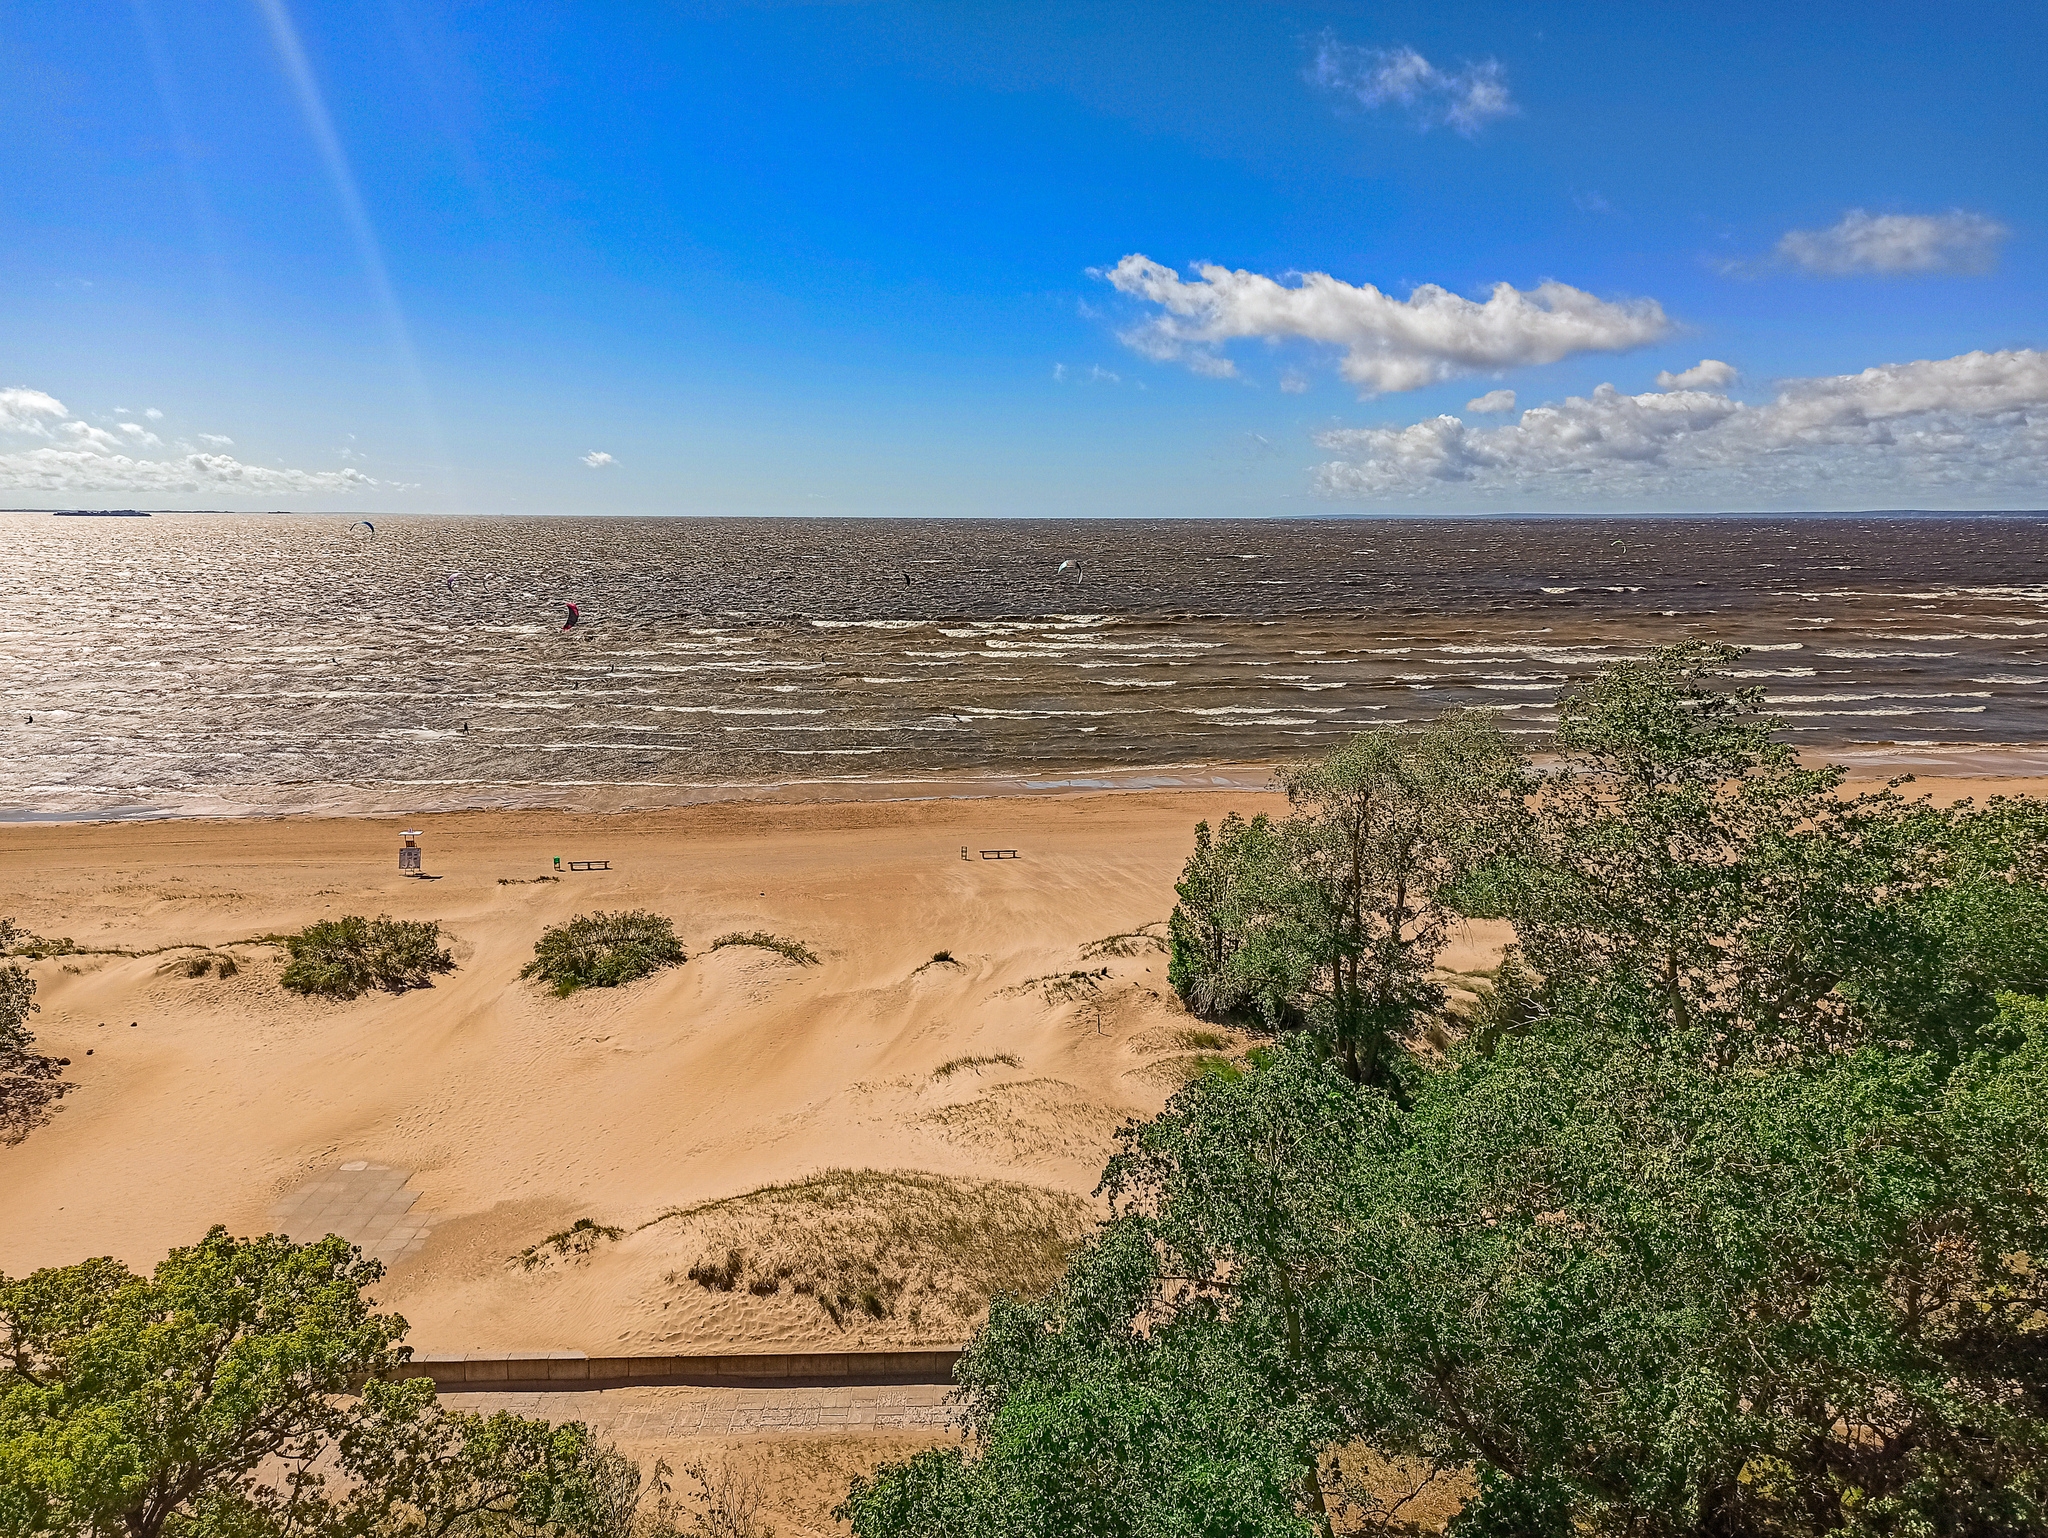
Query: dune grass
[[572, 1243], [789, 950], [951, 1066], [1061, 987], [604, 950], [923, 1250], [1130, 943], [1188, 1066], [200, 965], [345, 958]]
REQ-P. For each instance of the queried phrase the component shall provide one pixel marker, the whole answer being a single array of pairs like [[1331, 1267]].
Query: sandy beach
[[500, 1114]]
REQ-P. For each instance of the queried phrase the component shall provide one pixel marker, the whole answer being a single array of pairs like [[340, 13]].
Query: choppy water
[[222, 663]]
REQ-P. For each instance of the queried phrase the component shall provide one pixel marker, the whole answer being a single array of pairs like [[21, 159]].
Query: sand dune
[[517, 1112], [512, 1113]]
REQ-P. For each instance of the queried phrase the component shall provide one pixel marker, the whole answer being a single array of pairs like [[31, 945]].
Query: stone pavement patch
[[367, 1204], [645, 1415]]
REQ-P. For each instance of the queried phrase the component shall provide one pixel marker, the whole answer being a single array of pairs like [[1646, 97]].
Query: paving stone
[[366, 1204]]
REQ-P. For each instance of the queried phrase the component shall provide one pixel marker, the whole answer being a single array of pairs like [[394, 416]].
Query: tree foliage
[[30, 1081], [1722, 1220], [347, 957], [1332, 919], [214, 1397]]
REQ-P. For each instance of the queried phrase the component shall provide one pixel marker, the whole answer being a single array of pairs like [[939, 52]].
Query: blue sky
[[864, 259]]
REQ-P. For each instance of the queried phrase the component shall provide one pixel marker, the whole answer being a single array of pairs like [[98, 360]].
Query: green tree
[[1334, 917], [206, 1398], [1681, 853], [30, 1081], [1723, 1221]]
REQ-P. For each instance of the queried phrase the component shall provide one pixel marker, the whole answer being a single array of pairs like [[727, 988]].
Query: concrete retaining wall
[[782, 1369]]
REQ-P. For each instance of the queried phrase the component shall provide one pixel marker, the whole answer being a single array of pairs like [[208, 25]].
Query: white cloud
[[1096, 374], [29, 411], [1467, 99], [1389, 344], [1968, 428], [153, 414], [93, 459], [1707, 374], [218, 440], [1293, 382], [597, 459], [1896, 243], [1492, 400]]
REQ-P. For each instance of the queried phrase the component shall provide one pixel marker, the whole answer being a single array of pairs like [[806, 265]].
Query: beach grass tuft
[[1062, 987], [579, 1239], [1130, 943], [790, 950], [951, 1066]]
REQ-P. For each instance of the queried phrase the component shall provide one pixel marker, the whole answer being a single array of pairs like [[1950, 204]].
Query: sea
[[224, 664]]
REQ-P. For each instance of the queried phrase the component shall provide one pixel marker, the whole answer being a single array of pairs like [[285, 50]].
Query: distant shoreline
[[1865, 765]]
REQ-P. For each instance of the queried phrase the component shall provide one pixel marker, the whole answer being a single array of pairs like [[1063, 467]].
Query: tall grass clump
[[347, 957], [603, 950], [789, 950]]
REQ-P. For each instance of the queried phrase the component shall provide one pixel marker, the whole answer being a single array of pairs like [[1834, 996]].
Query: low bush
[[951, 1066], [347, 957], [789, 950], [603, 950]]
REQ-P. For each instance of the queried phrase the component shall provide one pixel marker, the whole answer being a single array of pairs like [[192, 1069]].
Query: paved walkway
[[664, 1414], [365, 1203]]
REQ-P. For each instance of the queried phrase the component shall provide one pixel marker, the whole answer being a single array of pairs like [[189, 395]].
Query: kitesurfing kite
[[574, 616], [451, 580], [362, 523], [1076, 565]]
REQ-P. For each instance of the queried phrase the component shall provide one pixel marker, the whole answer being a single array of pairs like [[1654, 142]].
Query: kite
[[574, 615], [362, 523]]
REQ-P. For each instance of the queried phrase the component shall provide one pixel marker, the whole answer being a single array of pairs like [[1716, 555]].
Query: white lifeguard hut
[[409, 852]]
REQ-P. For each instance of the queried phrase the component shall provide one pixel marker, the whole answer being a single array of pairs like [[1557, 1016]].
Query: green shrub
[[347, 957], [603, 950]]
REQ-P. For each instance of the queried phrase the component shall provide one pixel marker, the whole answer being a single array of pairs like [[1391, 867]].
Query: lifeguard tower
[[409, 852]]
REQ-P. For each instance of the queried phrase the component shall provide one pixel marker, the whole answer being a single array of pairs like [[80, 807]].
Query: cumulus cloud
[[1969, 427], [1896, 243], [75, 456], [1389, 344], [1492, 400], [153, 414], [1707, 374], [30, 411], [1464, 99], [1293, 382], [597, 459]]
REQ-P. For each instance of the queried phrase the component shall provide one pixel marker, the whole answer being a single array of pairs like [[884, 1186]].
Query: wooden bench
[[590, 865], [999, 854]]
